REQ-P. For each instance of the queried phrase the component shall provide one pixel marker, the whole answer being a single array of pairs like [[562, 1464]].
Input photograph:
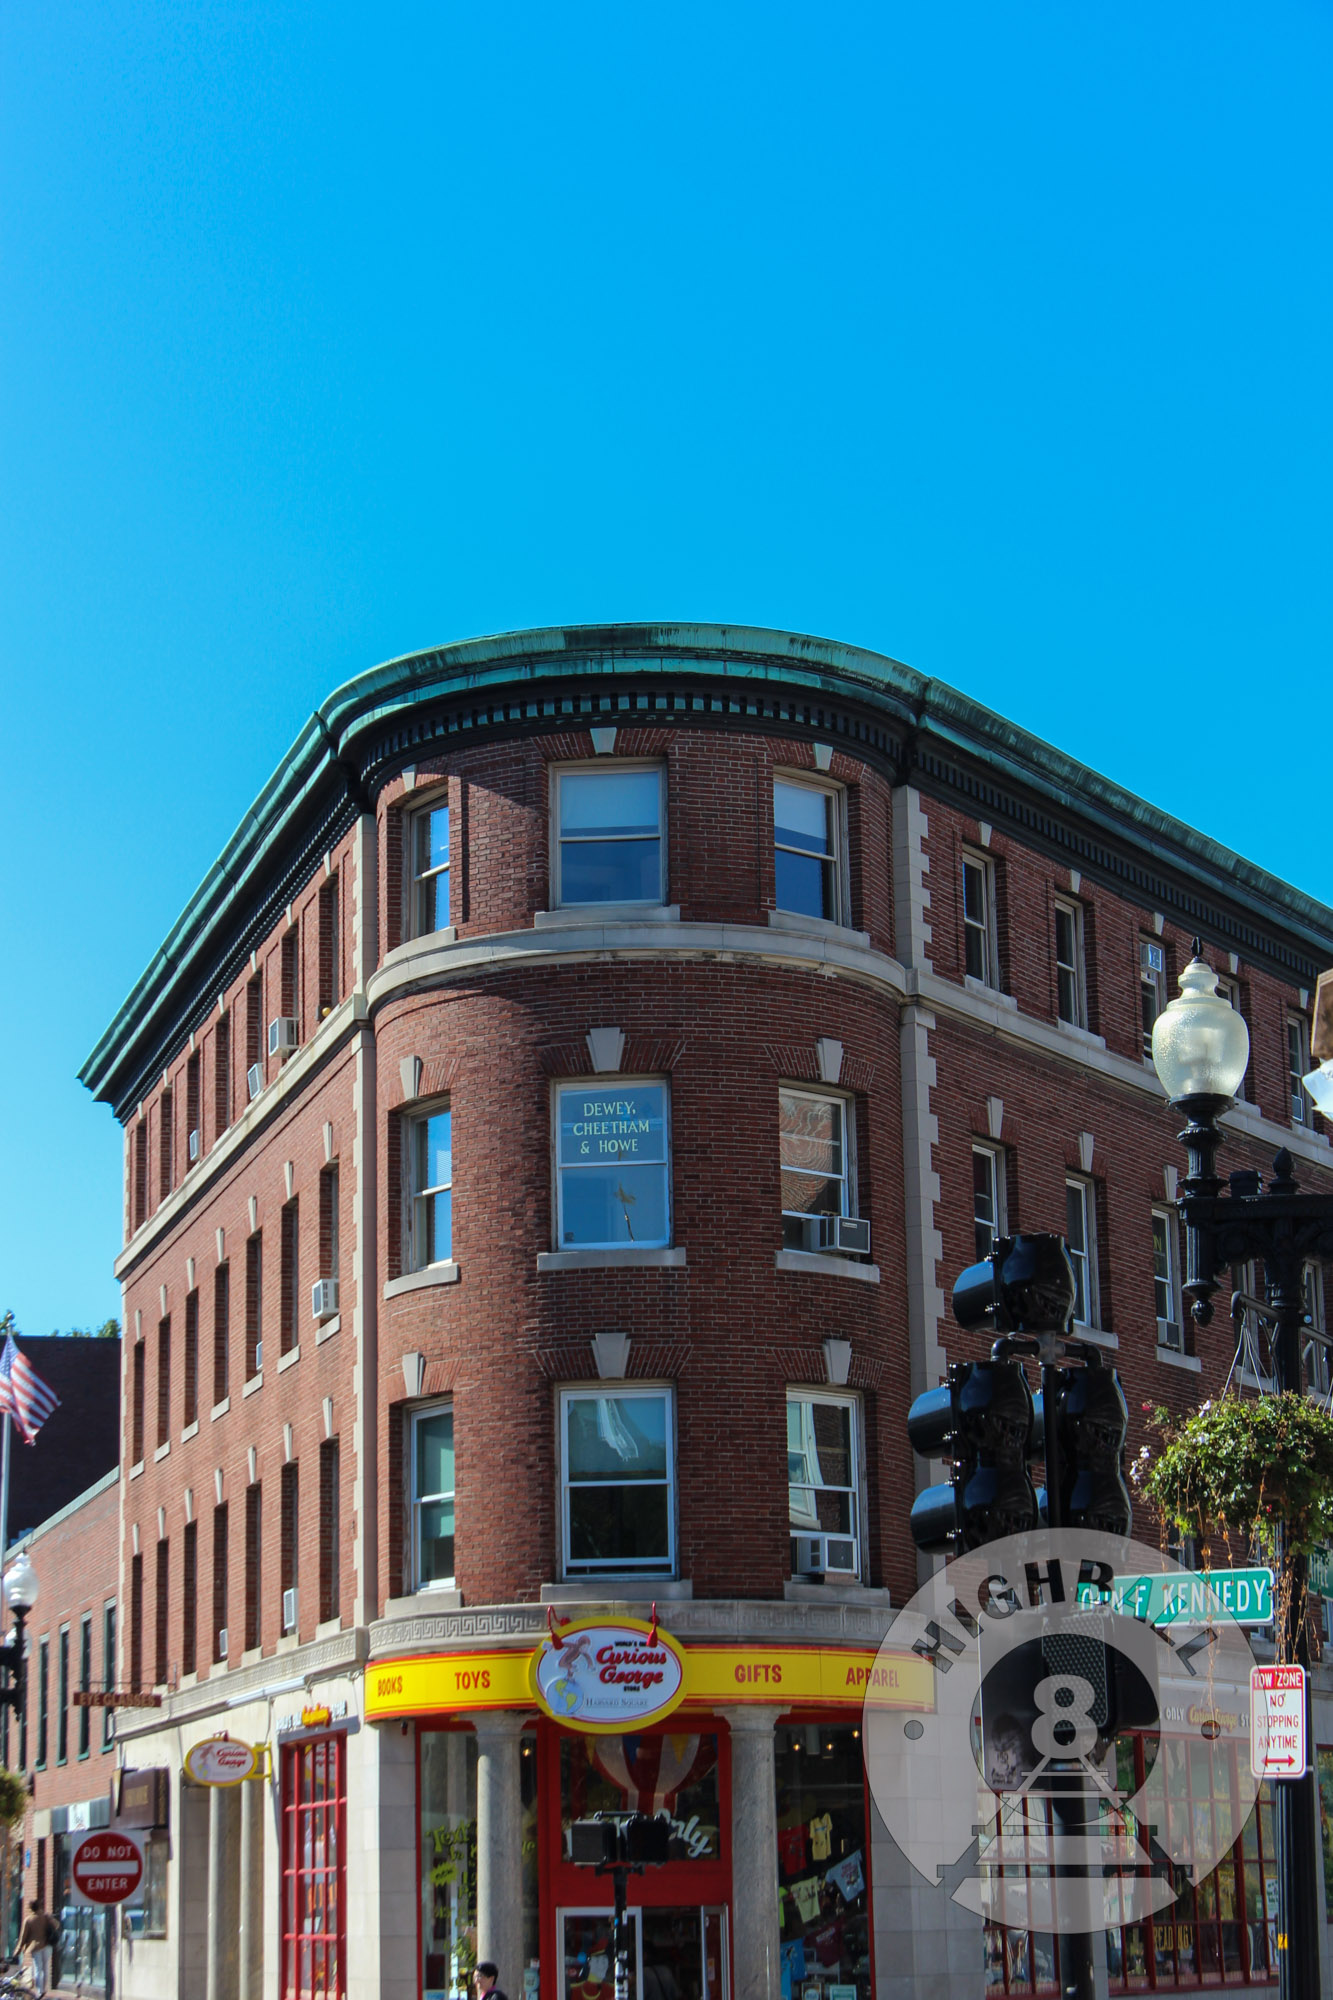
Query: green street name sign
[[1321, 1572], [1247, 1594]]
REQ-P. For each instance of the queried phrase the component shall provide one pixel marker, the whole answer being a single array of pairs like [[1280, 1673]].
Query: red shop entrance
[[679, 1947]]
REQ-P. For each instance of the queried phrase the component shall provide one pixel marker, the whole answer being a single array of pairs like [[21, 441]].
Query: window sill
[[447, 934], [219, 1409], [628, 1258], [1171, 1357], [431, 1597], [163, 1451], [289, 1359], [795, 921], [446, 1273], [817, 1263], [988, 992], [135, 1470], [327, 1329], [255, 1382], [800, 1590], [581, 915], [1094, 1336], [191, 1430], [1083, 1035], [618, 1590], [251, 1655], [328, 1628]]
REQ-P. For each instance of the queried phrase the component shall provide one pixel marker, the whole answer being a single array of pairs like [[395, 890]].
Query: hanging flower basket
[[1256, 1473]]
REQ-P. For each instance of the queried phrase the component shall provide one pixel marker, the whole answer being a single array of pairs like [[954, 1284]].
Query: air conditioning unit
[[254, 1079], [825, 1555], [259, 1357], [324, 1298], [1168, 1335], [846, 1235], [282, 1036], [289, 1610], [192, 1145], [223, 1648]]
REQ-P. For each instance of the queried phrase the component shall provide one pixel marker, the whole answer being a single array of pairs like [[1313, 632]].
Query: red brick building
[[550, 1133]]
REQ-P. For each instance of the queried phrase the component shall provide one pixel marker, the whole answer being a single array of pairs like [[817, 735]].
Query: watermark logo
[[1045, 1779]]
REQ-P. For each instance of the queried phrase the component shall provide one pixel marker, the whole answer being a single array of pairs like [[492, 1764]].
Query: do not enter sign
[[107, 1867]]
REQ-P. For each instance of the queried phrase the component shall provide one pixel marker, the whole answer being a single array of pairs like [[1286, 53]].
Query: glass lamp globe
[[21, 1583], [1200, 1043]]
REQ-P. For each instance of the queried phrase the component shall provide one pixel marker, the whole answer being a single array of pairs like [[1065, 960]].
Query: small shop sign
[[220, 1760], [606, 1676], [315, 1717]]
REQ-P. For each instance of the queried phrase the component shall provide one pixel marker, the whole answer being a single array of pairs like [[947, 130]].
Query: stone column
[[754, 1853], [223, 1884], [251, 1980], [500, 1845]]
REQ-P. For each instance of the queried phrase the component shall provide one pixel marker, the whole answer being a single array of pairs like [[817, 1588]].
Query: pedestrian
[[484, 1978], [39, 1935]]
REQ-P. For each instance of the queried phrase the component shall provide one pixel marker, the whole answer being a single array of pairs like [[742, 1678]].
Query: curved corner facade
[[549, 1136]]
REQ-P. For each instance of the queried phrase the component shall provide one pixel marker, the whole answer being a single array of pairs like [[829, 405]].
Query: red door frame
[[292, 1755]]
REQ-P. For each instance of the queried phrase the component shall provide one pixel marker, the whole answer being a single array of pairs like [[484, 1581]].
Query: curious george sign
[[608, 1675]]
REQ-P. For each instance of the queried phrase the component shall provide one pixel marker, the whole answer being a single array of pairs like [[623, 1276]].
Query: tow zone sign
[[1278, 1745]]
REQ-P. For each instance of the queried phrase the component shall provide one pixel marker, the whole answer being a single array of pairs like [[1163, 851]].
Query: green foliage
[[108, 1330], [1245, 1469], [13, 1798]]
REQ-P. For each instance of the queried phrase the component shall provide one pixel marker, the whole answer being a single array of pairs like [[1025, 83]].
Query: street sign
[[1320, 1572], [106, 1867], [1245, 1594], [1278, 1746]]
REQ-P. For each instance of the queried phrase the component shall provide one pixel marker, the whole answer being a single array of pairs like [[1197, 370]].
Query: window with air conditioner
[[1166, 1282], [823, 1486], [428, 888], [808, 848], [617, 1481], [432, 1496], [815, 1147], [1298, 1065], [1230, 991], [430, 1189], [989, 1218], [610, 835], [613, 1173]]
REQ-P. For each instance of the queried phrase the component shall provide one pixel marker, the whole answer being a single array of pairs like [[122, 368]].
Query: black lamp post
[[1200, 1048], [20, 1592]]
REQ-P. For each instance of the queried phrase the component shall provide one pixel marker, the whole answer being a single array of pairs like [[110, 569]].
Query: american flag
[[23, 1394]]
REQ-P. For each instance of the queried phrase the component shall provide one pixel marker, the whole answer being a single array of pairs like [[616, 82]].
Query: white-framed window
[[1315, 1355], [1166, 1281], [1070, 978], [815, 1153], [989, 1218], [823, 1485], [431, 1459], [1299, 1065], [1230, 991], [613, 1164], [610, 834], [807, 849], [617, 1481], [980, 952], [430, 1188], [1152, 987], [1081, 1242], [429, 833]]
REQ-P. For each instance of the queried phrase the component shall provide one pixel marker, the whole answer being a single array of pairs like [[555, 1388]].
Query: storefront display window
[[1221, 1933], [449, 1863], [673, 1773], [1324, 1768], [823, 1863]]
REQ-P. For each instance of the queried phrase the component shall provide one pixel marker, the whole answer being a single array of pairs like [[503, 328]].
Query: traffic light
[[1091, 1419], [981, 1418], [626, 1840], [1026, 1285]]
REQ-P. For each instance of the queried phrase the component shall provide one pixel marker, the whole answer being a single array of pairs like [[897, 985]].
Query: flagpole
[[4, 1521]]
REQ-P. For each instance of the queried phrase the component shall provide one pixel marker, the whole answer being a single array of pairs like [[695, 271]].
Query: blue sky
[[995, 339]]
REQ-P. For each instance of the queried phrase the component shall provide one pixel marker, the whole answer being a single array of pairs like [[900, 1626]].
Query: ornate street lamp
[[20, 1591], [1200, 1047]]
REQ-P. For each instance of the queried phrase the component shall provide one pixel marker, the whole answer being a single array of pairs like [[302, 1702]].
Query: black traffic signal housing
[[1092, 1421], [981, 1419], [1026, 1285], [610, 1840]]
